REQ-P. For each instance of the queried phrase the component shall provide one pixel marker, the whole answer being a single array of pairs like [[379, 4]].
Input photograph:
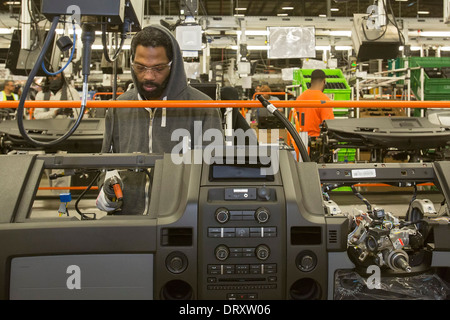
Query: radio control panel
[[240, 249]]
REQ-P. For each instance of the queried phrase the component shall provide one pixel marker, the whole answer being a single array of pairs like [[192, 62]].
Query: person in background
[[266, 88], [56, 88], [257, 88], [8, 94], [263, 112], [313, 117]]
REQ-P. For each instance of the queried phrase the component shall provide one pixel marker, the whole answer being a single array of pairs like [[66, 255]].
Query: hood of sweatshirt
[[177, 79]]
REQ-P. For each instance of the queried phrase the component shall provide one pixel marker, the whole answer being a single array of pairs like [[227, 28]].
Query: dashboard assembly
[[226, 230], [413, 137]]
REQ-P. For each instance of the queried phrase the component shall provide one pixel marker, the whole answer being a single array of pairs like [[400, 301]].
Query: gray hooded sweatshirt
[[129, 130]]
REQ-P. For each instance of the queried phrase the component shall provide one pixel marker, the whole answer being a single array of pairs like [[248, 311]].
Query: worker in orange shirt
[[313, 117]]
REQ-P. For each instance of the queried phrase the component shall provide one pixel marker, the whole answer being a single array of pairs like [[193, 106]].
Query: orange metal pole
[[228, 104], [279, 93], [105, 94], [66, 188], [429, 184], [290, 140]]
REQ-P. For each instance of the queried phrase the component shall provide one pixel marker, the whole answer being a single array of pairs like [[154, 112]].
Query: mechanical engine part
[[378, 237]]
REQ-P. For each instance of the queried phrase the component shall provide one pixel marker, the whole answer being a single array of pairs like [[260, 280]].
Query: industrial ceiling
[[335, 8], [257, 14], [339, 8]]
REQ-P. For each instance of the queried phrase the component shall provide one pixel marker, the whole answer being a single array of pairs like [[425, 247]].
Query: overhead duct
[[374, 43], [114, 11]]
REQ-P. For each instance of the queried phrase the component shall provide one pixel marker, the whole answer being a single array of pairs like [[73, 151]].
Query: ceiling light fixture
[[343, 48], [438, 34], [340, 33], [251, 47], [323, 48], [100, 47], [253, 32], [6, 30]]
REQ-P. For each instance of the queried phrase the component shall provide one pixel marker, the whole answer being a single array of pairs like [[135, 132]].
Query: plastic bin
[[435, 89], [334, 77], [346, 155]]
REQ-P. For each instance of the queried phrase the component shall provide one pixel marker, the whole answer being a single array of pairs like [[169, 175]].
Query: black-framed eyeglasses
[[139, 68]]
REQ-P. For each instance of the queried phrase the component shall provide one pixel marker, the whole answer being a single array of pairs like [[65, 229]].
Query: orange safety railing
[[278, 93], [229, 104], [385, 185], [426, 184], [67, 188], [105, 94], [233, 104], [293, 115]]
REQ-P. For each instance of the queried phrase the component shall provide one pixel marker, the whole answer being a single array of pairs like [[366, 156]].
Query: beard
[[158, 88], [150, 95]]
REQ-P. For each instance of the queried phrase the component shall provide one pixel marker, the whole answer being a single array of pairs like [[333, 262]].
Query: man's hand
[[110, 196], [64, 111]]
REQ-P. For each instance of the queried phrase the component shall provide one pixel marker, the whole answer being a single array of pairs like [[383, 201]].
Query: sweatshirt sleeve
[[40, 113], [107, 134]]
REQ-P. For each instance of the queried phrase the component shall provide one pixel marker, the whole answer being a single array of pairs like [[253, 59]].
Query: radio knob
[[306, 261], [262, 252], [262, 215], [222, 252], [264, 193], [222, 215], [176, 262]]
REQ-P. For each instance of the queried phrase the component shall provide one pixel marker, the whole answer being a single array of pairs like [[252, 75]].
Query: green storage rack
[[436, 76], [336, 83], [346, 155]]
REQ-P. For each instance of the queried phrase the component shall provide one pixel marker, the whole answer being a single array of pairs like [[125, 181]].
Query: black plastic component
[[262, 252], [64, 43], [262, 215], [176, 262], [222, 215], [306, 261], [222, 252]]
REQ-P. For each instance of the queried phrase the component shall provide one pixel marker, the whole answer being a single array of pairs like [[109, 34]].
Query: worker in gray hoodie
[[157, 69]]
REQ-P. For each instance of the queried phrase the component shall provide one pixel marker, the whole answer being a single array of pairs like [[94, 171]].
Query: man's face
[[55, 77], [152, 81], [10, 86]]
